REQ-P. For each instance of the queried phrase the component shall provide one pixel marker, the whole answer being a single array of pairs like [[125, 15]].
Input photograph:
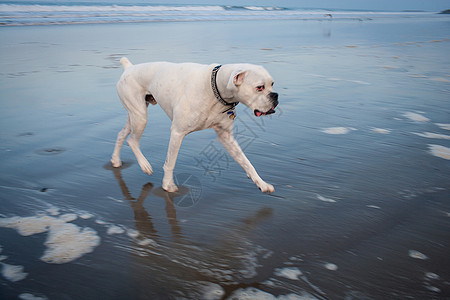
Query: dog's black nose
[[274, 98]]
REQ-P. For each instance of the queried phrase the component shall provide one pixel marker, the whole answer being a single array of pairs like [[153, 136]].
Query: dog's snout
[[274, 98]]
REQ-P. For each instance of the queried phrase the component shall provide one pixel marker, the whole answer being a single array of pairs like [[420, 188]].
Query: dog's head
[[253, 86]]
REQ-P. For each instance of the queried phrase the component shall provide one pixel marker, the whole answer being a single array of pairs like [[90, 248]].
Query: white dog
[[195, 97]]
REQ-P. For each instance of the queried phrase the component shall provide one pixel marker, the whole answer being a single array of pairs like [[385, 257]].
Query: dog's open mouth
[[260, 113]]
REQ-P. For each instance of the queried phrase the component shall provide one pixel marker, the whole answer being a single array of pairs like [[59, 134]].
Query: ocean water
[[358, 152], [51, 13]]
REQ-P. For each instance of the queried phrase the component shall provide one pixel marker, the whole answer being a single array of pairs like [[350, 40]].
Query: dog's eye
[[273, 83], [260, 88]]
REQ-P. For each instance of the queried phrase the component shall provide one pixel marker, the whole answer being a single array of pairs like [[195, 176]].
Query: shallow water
[[357, 152]]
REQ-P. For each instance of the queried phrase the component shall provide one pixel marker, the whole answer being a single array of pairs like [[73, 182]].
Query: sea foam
[[289, 273], [65, 241], [440, 151], [337, 130], [416, 117], [13, 273], [253, 293], [431, 135]]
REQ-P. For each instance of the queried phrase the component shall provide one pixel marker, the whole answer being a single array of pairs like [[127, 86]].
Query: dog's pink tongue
[[258, 114]]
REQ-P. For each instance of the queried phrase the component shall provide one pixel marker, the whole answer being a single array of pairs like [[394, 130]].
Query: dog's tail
[[126, 63]]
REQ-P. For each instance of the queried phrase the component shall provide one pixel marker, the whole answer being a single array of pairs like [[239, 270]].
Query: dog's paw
[[146, 167], [116, 163], [266, 188], [171, 187]]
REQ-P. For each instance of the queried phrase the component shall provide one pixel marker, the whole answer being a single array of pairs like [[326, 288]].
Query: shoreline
[[36, 15]]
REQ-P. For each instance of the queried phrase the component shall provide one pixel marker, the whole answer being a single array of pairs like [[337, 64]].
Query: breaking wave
[[56, 14]]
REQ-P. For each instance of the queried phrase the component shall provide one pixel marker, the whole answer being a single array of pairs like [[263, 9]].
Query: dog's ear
[[236, 79]]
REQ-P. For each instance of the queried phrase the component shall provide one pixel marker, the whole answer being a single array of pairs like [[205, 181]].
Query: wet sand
[[358, 152]]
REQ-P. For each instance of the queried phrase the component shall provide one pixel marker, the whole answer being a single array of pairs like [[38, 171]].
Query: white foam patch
[[114, 199], [295, 258], [440, 151], [346, 80], [2, 257], [68, 217], [337, 130], [381, 130], [212, 291], [53, 211], [132, 233], [433, 288], [13, 273], [418, 255], [28, 225], [373, 206], [431, 135], [439, 79], [85, 215], [432, 276], [443, 126], [331, 266], [114, 229], [324, 199], [289, 273], [360, 82], [249, 262], [416, 117], [255, 294], [28, 296], [147, 242], [65, 241], [417, 76], [100, 222]]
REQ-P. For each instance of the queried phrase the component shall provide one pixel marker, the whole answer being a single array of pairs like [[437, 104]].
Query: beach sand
[[358, 152]]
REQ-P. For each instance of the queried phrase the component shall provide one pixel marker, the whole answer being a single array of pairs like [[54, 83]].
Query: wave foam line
[[40, 14]]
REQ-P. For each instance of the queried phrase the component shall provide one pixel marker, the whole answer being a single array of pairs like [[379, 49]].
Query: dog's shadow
[[143, 220]]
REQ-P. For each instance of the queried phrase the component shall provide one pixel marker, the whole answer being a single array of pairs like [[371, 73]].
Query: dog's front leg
[[227, 140], [174, 146]]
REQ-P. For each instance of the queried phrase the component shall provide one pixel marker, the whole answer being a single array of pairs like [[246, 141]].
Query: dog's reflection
[[143, 220], [182, 266]]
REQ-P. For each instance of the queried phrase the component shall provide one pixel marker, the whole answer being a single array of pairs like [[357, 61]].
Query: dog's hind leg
[[123, 134], [176, 138], [138, 121], [133, 99]]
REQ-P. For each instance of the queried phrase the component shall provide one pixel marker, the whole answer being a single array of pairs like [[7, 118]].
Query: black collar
[[216, 90]]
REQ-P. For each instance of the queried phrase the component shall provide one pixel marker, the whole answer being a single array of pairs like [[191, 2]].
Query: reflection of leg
[[172, 218], [172, 153], [115, 159], [262, 214], [142, 219], [146, 188], [123, 187], [227, 140]]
